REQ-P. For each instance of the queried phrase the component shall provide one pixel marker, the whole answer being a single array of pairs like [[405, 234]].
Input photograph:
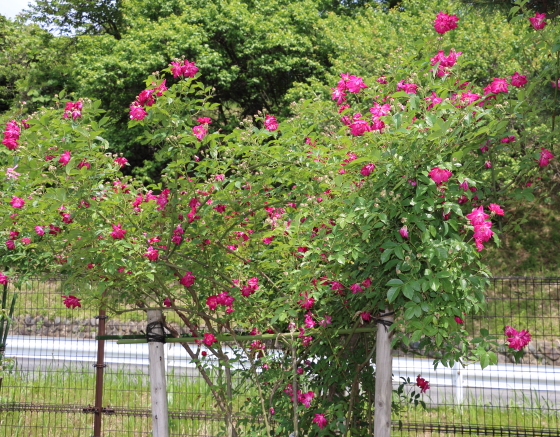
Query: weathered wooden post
[[383, 377], [156, 349]]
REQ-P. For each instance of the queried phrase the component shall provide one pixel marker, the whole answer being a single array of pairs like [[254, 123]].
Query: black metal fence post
[[100, 365]]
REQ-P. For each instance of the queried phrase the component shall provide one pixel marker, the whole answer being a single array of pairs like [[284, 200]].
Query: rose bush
[[296, 234]]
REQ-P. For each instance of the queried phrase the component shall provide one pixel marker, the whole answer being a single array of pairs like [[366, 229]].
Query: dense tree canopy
[[255, 54]]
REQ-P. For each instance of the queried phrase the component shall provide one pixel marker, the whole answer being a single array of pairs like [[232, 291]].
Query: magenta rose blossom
[[444, 22], [118, 232], [16, 202], [367, 169], [439, 175], [404, 232], [423, 384], [3, 279], [187, 280], [71, 302], [64, 158], [518, 80], [320, 420], [538, 21], [517, 339], [209, 339], [270, 123]]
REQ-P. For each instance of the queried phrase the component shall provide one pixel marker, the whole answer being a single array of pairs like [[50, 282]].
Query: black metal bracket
[[102, 317], [97, 366]]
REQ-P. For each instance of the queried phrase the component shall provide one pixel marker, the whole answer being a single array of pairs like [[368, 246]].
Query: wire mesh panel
[[50, 390], [51, 381], [506, 399]]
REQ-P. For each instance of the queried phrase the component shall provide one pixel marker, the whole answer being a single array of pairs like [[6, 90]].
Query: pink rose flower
[[152, 254], [39, 230], [3, 279], [423, 384], [433, 100], [17, 202], [517, 339], [167, 302], [71, 302], [496, 209], [538, 21], [117, 233], [477, 216], [518, 80], [497, 86], [26, 241], [444, 22], [183, 68], [10, 244], [209, 339], [200, 131], [121, 161], [187, 280], [407, 87], [64, 158], [137, 112], [546, 156], [367, 169], [459, 320], [320, 420], [404, 232], [270, 123], [439, 175], [356, 288]]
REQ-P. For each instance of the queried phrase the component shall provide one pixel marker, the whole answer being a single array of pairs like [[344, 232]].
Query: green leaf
[[392, 294], [394, 281]]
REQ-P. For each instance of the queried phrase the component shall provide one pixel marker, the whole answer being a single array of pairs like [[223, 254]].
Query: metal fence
[[51, 390]]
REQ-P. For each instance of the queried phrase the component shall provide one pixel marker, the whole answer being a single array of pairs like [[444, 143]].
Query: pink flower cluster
[[445, 62], [251, 287], [303, 398], [11, 135], [223, 299], [517, 339], [348, 82], [407, 87], [546, 156], [73, 109], [482, 231], [3, 279], [444, 22], [177, 235], [183, 68], [201, 130], [145, 98]]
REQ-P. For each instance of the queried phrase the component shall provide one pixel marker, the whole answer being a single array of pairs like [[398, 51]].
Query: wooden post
[[383, 378], [158, 390]]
